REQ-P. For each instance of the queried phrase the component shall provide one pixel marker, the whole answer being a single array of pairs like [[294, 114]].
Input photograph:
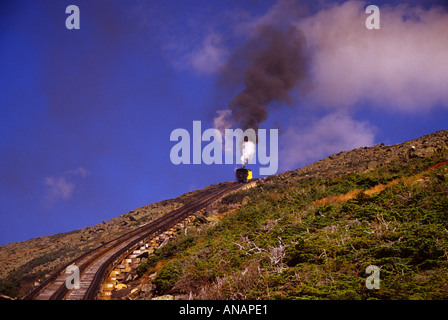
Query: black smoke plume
[[274, 62]]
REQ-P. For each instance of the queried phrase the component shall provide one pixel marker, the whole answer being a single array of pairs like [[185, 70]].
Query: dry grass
[[338, 199]]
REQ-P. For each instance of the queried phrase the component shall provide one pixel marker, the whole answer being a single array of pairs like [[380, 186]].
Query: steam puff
[[247, 152]]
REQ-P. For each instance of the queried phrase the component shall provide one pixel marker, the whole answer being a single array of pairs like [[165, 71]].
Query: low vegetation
[[314, 239]]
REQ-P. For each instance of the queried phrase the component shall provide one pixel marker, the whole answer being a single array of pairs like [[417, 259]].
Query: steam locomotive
[[243, 175]]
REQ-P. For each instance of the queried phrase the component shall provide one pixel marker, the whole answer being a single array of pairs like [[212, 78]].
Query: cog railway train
[[243, 175]]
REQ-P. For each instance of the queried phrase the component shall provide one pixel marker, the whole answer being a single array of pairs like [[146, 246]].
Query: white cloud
[[62, 187], [323, 137], [79, 171], [210, 57], [59, 188], [403, 65]]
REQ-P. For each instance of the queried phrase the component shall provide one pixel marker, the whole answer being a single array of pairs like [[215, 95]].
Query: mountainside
[[26, 262], [307, 233]]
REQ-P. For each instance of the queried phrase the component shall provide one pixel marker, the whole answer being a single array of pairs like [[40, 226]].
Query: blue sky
[[86, 115]]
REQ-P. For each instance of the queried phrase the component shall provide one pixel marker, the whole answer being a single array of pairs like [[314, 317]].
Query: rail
[[54, 288]]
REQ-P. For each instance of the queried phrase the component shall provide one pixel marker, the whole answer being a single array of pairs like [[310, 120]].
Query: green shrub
[[167, 276]]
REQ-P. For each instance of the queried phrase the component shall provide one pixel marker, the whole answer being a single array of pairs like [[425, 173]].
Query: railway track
[[95, 265]]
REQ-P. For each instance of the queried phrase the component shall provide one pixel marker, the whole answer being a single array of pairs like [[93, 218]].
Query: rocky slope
[[24, 264], [367, 158]]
